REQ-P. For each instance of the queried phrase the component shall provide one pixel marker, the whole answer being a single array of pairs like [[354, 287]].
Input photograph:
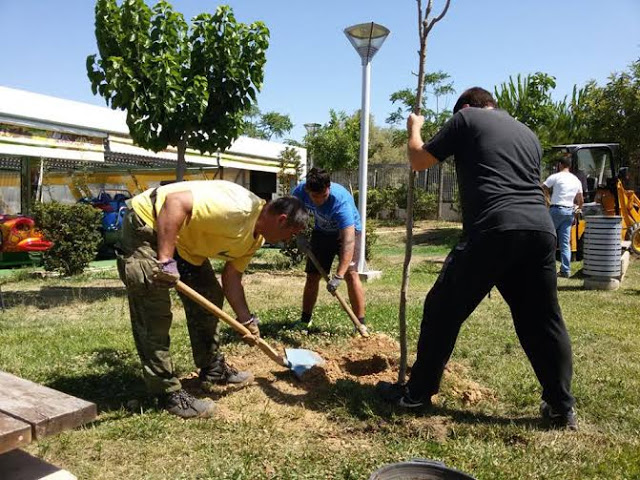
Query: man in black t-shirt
[[508, 242]]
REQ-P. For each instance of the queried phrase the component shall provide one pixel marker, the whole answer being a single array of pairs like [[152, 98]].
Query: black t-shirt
[[498, 165]]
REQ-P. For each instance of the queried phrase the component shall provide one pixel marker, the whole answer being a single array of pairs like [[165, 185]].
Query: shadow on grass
[[440, 236], [362, 402], [121, 382], [274, 268], [289, 332], [570, 288], [51, 297]]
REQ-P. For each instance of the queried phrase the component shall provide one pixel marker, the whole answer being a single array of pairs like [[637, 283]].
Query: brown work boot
[[221, 373], [185, 405]]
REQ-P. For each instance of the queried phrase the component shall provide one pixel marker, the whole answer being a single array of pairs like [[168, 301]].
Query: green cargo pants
[[150, 306]]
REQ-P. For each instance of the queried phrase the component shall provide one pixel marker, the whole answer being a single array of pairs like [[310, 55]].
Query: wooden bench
[[29, 412]]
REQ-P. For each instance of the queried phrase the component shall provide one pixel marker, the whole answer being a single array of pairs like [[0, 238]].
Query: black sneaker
[[553, 419], [221, 373], [185, 405], [398, 394]]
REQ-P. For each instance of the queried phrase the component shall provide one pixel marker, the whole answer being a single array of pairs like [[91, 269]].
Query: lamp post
[[312, 128], [366, 38]]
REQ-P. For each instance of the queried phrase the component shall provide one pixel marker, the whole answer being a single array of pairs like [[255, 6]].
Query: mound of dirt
[[462, 387], [349, 374], [365, 361]]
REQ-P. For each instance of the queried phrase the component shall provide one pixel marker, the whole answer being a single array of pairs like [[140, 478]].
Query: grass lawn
[[73, 335]]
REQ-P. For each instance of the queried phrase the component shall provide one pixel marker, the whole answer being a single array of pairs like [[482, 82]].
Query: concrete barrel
[[602, 252]]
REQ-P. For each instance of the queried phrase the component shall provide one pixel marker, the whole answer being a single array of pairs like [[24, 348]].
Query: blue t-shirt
[[338, 212]]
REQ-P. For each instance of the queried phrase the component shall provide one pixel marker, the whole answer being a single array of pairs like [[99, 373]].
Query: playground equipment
[[112, 204], [20, 241]]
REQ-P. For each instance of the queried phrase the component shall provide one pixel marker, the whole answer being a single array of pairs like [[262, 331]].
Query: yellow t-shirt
[[221, 224]]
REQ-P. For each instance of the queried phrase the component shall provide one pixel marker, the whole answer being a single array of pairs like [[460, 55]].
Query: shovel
[[298, 360], [345, 306]]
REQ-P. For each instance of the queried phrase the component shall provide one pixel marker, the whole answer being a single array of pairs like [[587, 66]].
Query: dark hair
[[293, 208], [565, 161], [475, 97], [318, 180]]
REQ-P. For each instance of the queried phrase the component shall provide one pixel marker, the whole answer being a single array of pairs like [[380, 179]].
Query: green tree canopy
[[612, 112], [436, 86], [336, 145], [382, 146], [289, 160], [528, 99], [266, 125], [181, 85]]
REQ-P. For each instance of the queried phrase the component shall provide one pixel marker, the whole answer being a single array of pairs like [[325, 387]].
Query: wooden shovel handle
[[345, 306], [232, 322]]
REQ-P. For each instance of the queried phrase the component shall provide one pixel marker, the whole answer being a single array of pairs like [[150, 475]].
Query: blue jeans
[[562, 219]]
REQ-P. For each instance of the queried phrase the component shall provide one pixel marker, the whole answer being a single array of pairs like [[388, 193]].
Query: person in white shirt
[[565, 190]]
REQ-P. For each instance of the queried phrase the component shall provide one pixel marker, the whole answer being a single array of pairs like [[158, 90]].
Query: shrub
[[74, 231], [369, 241], [425, 204], [378, 199], [375, 202], [400, 196]]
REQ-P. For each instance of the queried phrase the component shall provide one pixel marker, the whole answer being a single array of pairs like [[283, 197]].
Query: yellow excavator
[[604, 190]]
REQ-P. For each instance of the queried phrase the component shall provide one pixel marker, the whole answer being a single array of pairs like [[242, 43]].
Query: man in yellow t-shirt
[[170, 233]]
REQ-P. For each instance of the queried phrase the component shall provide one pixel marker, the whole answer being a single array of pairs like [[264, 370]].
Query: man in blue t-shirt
[[337, 231]]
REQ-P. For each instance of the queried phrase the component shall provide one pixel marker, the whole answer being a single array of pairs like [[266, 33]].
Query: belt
[[562, 206]]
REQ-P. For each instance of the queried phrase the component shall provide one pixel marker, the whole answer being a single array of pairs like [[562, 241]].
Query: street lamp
[[312, 128], [366, 38]]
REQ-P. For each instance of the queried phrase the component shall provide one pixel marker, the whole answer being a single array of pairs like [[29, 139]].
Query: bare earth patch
[[303, 405]]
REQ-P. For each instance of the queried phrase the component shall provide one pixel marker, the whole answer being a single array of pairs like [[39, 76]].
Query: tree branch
[[420, 23], [439, 17]]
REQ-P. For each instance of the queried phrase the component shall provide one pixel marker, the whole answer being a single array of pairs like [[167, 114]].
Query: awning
[[30, 139], [122, 147], [34, 141]]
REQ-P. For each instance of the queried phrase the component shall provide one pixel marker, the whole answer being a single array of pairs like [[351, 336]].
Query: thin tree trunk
[[440, 189], [181, 167], [424, 27]]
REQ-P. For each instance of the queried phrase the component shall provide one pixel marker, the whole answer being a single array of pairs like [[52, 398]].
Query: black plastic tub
[[419, 469]]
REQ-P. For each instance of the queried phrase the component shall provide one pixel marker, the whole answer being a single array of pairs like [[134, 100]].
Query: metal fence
[[396, 174]]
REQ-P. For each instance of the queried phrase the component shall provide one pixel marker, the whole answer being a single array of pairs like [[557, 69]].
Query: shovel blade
[[301, 360]]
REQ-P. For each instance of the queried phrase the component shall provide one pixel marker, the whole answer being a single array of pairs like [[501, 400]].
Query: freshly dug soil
[[351, 370]]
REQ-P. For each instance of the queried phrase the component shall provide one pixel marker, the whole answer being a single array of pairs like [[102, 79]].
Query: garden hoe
[[362, 329], [298, 360]]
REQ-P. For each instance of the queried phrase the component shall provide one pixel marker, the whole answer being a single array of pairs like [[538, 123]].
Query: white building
[[57, 149]]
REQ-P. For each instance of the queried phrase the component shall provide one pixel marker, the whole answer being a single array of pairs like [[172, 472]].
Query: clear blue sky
[[311, 65]]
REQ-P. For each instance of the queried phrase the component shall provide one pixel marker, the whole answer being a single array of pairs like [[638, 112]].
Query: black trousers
[[521, 264]]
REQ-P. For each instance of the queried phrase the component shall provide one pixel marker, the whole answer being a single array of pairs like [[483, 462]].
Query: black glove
[[166, 274], [334, 283]]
